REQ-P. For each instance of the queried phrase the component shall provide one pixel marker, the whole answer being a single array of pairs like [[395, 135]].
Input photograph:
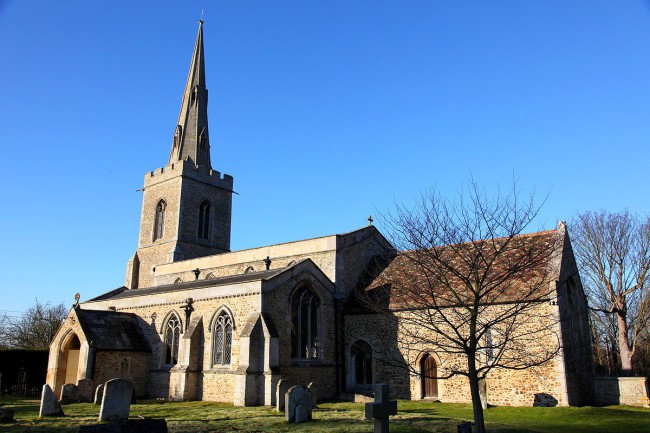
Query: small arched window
[[305, 311], [222, 339], [362, 361], [172, 332], [204, 220], [159, 220]]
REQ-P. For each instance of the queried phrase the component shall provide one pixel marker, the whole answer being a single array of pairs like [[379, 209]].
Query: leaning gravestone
[[69, 393], [116, 401], [381, 409], [49, 404], [99, 393], [297, 396]]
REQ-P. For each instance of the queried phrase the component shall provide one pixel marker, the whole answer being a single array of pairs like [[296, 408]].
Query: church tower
[[186, 205]]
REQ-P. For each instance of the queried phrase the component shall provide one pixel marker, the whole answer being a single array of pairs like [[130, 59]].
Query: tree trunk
[[623, 346], [479, 421]]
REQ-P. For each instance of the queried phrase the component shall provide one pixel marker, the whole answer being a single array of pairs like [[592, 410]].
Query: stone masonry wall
[[132, 366], [541, 385]]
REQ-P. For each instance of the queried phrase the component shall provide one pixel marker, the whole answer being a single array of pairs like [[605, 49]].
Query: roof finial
[[201, 20], [370, 220]]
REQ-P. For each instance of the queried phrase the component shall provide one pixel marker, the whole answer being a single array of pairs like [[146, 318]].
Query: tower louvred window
[[204, 220], [159, 220]]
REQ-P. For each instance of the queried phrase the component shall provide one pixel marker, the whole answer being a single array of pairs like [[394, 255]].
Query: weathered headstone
[[6, 414], [49, 404], [116, 401], [381, 409], [297, 396], [127, 426], [280, 391], [69, 393], [85, 391], [465, 427], [99, 393], [312, 388]]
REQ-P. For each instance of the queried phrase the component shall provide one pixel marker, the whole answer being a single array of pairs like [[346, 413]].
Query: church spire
[[191, 139]]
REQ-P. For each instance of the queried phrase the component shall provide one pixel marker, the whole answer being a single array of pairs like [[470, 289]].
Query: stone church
[[197, 321]]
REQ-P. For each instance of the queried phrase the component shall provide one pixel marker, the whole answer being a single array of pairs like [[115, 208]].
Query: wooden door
[[428, 379]]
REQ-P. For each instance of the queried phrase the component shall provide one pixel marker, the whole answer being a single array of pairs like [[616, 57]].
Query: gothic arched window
[[159, 220], [362, 361], [222, 339], [172, 333], [204, 220], [305, 311]]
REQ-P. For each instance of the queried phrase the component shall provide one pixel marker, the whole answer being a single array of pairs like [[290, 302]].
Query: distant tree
[[613, 252], [470, 283], [35, 328]]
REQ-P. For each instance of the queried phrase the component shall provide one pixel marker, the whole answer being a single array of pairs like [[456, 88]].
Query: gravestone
[[84, 391], [127, 426], [297, 396], [99, 393], [116, 401], [312, 388], [6, 414], [69, 393], [49, 404], [280, 391], [381, 409], [465, 427]]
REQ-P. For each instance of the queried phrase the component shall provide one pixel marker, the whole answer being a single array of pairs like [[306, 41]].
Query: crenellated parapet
[[189, 170]]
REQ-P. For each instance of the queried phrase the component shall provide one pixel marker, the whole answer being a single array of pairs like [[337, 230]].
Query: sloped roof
[[111, 330], [123, 292], [508, 269]]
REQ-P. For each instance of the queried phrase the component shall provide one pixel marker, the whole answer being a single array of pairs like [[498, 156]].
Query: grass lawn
[[412, 417]]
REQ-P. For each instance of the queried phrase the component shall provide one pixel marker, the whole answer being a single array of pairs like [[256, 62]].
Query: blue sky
[[323, 111]]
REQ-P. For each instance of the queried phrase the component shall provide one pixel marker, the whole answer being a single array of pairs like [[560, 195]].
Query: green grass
[[412, 417]]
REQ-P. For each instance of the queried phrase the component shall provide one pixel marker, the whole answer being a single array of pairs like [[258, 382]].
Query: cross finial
[[370, 220]]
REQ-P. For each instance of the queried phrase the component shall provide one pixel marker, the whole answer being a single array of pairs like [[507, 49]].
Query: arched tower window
[[204, 220], [305, 312], [172, 333], [362, 362], [222, 339], [159, 220]]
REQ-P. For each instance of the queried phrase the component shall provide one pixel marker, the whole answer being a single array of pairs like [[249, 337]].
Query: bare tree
[[35, 328], [613, 251], [468, 282]]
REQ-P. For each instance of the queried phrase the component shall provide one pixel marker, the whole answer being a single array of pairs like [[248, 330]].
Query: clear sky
[[324, 112]]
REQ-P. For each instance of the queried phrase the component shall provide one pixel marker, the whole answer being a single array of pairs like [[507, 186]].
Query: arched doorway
[[429, 376], [68, 365]]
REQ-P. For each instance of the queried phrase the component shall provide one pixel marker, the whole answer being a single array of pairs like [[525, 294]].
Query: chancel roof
[[501, 269], [111, 330]]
